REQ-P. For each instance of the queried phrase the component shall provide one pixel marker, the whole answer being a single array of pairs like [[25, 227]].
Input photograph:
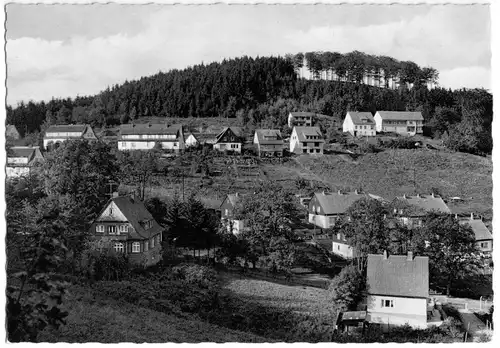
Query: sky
[[69, 50]]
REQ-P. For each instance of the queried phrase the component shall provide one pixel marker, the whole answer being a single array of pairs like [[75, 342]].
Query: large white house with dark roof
[[359, 124], [57, 134], [401, 122], [307, 140], [146, 136], [397, 290]]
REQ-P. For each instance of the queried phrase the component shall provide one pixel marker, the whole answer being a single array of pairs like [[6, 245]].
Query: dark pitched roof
[[426, 203], [401, 115], [302, 114], [480, 230], [338, 203], [358, 117], [149, 129], [269, 136], [397, 276], [302, 132], [136, 213], [236, 131], [70, 128]]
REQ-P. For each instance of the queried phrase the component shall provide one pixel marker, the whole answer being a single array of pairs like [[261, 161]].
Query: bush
[[202, 276], [347, 288]]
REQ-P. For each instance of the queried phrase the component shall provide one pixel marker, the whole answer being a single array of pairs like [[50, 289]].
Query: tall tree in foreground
[[82, 170], [347, 288], [365, 228], [450, 247]]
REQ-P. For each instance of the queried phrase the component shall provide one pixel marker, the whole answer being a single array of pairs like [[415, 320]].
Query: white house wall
[[15, 172], [412, 311], [343, 250]]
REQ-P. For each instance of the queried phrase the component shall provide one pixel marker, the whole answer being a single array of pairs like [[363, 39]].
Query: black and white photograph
[[250, 173]]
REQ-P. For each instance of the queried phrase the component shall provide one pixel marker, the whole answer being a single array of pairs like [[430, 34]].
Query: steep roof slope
[[398, 276], [361, 117]]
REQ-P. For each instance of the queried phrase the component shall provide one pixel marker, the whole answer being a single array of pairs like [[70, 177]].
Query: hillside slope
[[392, 173], [95, 318]]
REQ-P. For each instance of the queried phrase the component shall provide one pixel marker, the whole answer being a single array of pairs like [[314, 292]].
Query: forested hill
[[260, 92]]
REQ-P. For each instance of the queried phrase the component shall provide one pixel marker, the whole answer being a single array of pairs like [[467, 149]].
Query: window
[[112, 230], [484, 244], [123, 228], [316, 144], [175, 144], [110, 211], [146, 245], [99, 228], [119, 247], [387, 303], [136, 247], [227, 212], [304, 150]]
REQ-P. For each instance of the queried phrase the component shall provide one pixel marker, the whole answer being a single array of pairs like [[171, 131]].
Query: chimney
[[472, 216], [385, 254], [432, 194], [115, 194], [410, 256]]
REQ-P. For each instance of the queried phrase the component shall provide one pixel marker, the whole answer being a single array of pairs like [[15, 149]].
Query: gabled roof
[[401, 115], [236, 131], [358, 117], [333, 203], [302, 132], [136, 213], [233, 198], [480, 230], [398, 276], [22, 151], [150, 129], [426, 204], [269, 136], [302, 114], [206, 138], [70, 128]]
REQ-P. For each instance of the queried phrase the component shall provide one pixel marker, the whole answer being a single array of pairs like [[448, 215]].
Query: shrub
[[202, 276], [347, 288]]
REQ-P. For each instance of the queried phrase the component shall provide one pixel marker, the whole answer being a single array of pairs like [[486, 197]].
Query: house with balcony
[[401, 122], [307, 140], [359, 124], [412, 209], [229, 139], [147, 136], [57, 134], [300, 119], [125, 226], [22, 159], [269, 142], [397, 290]]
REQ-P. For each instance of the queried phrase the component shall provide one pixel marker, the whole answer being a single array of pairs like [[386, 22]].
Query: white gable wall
[[112, 211], [348, 125]]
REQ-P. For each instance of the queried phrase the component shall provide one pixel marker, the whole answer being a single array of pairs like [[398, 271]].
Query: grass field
[[392, 173], [95, 318]]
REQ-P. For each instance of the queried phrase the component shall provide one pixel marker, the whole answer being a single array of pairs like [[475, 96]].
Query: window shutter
[[381, 303]]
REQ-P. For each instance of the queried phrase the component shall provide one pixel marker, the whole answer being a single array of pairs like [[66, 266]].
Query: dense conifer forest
[[261, 91]]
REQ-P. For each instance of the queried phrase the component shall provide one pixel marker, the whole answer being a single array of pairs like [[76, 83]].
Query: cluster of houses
[[305, 138], [325, 209]]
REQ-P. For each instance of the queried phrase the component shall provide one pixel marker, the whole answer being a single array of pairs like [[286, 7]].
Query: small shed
[[354, 318]]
